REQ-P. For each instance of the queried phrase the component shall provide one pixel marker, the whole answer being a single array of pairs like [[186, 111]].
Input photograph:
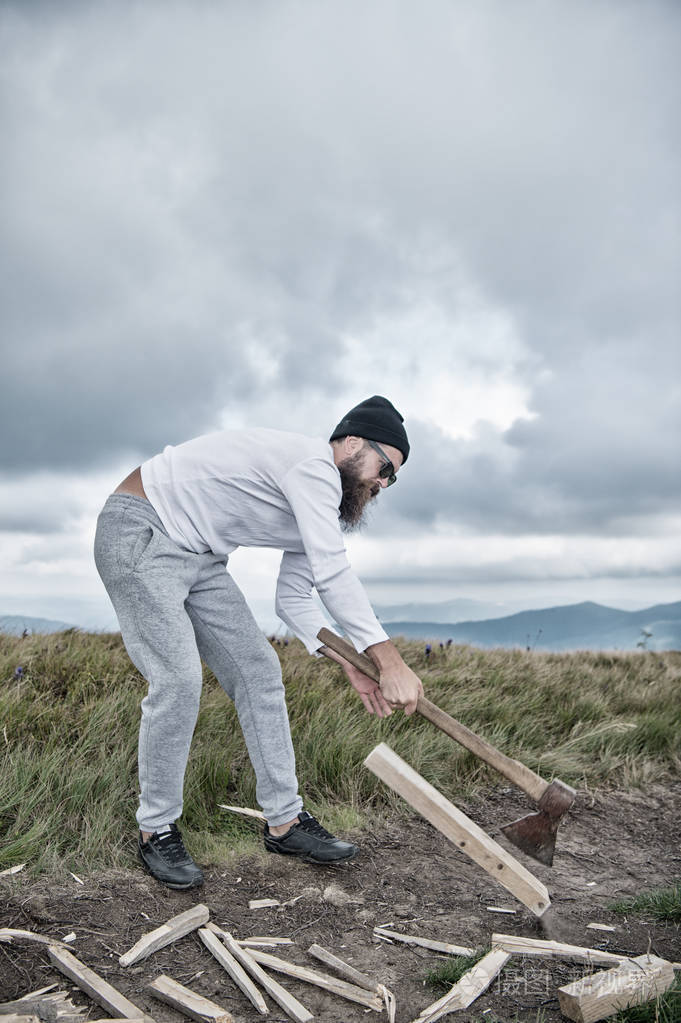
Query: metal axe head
[[535, 833]]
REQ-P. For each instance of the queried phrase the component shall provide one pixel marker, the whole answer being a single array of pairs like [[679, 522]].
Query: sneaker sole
[[169, 884], [307, 858]]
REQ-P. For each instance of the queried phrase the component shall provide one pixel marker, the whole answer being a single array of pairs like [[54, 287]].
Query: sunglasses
[[387, 470]]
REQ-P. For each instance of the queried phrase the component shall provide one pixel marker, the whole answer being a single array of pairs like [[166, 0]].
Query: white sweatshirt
[[266, 488]]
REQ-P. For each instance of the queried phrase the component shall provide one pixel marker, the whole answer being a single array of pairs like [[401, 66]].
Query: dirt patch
[[611, 846]]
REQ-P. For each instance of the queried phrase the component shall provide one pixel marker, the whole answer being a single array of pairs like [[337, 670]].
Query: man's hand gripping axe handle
[[535, 834]]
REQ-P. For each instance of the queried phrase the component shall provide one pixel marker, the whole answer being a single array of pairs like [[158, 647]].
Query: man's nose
[[381, 482]]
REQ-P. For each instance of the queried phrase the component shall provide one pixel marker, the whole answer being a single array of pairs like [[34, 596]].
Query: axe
[[535, 833]]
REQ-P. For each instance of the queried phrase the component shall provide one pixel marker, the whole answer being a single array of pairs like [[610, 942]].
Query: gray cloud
[[42, 505], [573, 471], [516, 570], [202, 205]]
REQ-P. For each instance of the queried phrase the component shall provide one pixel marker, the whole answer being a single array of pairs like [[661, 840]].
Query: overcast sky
[[259, 212]]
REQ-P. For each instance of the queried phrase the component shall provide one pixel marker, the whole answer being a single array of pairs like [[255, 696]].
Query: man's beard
[[357, 493]]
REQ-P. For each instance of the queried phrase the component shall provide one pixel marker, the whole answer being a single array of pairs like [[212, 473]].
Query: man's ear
[[352, 444]]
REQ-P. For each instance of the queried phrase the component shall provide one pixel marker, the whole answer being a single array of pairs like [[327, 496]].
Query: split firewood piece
[[555, 950], [345, 970], [389, 1001], [93, 985], [500, 909], [264, 942], [355, 977], [33, 1007], [168, 932], [14, 1017], [10, 934], [434, 946], [245, 811], [187, 1001], [323, 980], [263, 903], [468, 988], [45, 1003], [234, 969], [43, 991], [12, 870], [603, 994], [600, 927], [458, 828], [280, 995]]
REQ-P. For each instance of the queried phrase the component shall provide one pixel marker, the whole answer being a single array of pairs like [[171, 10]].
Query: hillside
[[15, 625], [586, 626]]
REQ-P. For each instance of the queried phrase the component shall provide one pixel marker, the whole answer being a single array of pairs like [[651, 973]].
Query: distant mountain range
[[16, 624], [586, 626]]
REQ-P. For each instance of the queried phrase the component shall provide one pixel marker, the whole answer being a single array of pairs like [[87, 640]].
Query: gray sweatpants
[[175, 608]]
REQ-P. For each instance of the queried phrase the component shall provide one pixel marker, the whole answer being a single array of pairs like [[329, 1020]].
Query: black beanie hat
[[374, 419]]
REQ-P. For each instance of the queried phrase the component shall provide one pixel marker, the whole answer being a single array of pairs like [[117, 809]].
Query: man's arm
[[294, 603], [296, 607], [312, 489]]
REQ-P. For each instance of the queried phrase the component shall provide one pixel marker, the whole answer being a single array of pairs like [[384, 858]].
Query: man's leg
[[147, 577], [235, 649]]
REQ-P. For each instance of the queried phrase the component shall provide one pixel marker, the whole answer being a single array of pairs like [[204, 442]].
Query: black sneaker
[[166, 859], [309, 840]]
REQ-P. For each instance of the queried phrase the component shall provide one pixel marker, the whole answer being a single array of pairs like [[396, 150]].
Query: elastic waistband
[[129, 497], [134, 507]]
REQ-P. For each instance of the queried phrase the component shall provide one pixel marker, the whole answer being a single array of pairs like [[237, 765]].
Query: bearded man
[[161, 548]]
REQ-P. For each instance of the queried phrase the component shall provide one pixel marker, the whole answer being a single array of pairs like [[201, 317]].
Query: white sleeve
[[312, 489], [294, 602]]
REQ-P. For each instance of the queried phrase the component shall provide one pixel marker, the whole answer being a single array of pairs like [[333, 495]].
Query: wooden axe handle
[[514, 770]]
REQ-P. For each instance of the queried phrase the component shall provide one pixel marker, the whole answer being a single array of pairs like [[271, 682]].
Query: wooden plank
[[468, 988], [187, 1001], [345, 969], [323, 980], [234, 969], [92, 984], [434, 946], [258, 941], [280, 995], [555, 950], [458, 828], [245, 811], [168, 932], [603, 994]]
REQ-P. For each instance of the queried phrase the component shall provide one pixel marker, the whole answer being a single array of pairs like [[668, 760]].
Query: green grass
[[69, 722], [660, 904], [451, 971]]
